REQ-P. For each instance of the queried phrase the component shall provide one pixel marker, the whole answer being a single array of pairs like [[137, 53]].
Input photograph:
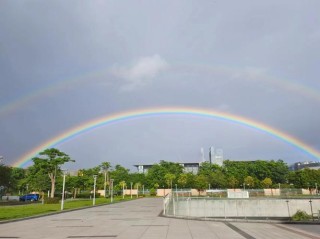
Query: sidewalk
[[140, 219]]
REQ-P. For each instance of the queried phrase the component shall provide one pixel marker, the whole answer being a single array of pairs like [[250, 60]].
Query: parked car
[[30, 197]]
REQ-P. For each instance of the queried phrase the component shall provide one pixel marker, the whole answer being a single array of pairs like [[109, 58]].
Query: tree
[[156, 174], [233, 182], [267, 182], [183, 180], [5, 175], [217, 180], [120, 174], [122, 185], [18, 176], [50, 162], [206, 168], [249, 181], [169, 177], [105, 168], [200, 182]]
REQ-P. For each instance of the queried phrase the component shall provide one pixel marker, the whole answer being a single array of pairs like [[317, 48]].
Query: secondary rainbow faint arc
[[153, 112], [288, 85]]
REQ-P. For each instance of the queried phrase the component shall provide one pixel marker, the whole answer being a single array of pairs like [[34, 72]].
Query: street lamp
[[111, 181], [105, 183], [63, 188], [123, 190], [131, 190], [137, 190], [94, 189], [279, 189]]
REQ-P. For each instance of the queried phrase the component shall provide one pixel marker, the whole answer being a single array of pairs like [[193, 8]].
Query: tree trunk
[[52, 177]]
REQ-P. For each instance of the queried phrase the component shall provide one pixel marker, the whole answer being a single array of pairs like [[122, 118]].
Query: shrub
[[301, 216], [153, 192], [54, 200], [87, 195]]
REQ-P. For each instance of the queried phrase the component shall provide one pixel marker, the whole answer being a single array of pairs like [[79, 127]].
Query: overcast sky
[[64, 63]]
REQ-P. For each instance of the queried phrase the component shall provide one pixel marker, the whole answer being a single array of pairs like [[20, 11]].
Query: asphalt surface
[[141, 219]]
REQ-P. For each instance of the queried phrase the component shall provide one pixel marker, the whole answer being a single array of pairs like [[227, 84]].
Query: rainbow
[[287, 85], [168, 111]]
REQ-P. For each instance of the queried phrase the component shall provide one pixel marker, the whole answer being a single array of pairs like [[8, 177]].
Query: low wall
[[10, 198], [163, 191], [129, 192], [266, 208]]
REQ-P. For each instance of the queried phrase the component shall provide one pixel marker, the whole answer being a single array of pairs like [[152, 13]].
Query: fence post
[[311, 209], [174, 206], [287, 201], [224, 204]]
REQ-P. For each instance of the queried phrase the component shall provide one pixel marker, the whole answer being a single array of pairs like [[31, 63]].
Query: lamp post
[[111, 181], [279, 189], [137, 190], [63, 188], [316, 188], [105, 183], [123, 190], [131, 189], [94, 189]]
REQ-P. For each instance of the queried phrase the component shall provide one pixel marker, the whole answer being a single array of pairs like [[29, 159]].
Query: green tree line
[[46, 175]]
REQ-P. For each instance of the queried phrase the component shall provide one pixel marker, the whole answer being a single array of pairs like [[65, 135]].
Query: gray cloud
[[81, 60], [141, 72]]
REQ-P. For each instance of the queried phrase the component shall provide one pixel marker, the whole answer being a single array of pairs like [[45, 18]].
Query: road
[[140, 219]]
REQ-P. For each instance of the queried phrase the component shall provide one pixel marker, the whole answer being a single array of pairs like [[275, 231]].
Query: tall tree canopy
[[50, 162]]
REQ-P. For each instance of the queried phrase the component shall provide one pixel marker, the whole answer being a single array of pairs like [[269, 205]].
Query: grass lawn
[[21, 211]]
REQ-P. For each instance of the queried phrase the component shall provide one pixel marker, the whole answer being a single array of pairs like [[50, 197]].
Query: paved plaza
[[141, 219]]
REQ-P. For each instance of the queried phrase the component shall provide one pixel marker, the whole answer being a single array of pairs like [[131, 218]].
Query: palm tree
[[105, 169]]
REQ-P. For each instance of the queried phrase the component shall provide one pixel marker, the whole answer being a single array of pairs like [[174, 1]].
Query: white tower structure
[[215, 156], [218, 157], [202, 155]]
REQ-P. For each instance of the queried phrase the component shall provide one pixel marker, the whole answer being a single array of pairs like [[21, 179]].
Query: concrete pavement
[[140, 219]]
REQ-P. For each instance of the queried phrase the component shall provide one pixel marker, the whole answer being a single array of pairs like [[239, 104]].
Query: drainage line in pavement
[[238, 230]]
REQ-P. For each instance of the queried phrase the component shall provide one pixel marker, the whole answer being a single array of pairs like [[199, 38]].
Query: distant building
[[216, 156], [307, 164], [143, 168], [190, 167], [187, 167]]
